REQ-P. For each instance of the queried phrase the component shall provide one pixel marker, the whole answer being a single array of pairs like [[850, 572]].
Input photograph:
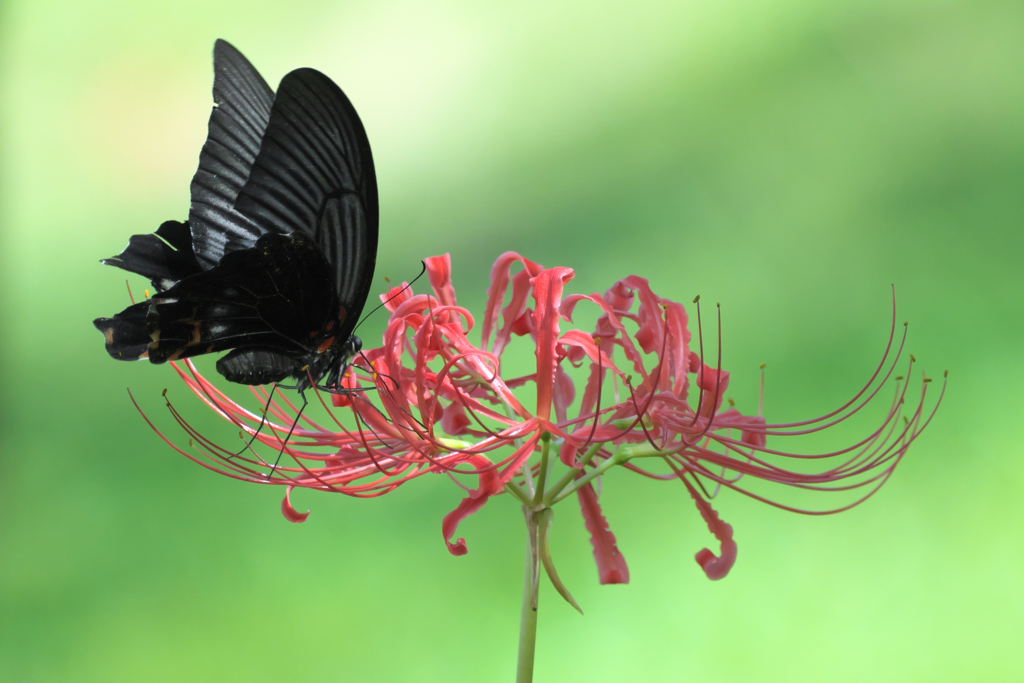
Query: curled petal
[[396, 296], [523, 325], [713, 383], [290, 513], [715, 568], [620, 296], [565, 393], [547, 292], [611, 565], [470, 504], [581, 344], [567, 453], [500, 276], [454, 420], [439, 270], [694, 362], [755, 434], [650, 333], [678, 352]]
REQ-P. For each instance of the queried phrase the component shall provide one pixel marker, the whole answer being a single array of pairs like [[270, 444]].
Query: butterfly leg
[[305, 402], [263, 421]]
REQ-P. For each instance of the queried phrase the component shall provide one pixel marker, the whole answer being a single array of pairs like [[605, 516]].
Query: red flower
[[443, 406]]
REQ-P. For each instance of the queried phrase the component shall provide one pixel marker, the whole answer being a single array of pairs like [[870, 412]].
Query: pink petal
[[565, 393], [567, 453], [454, 419], [620, 296], [650, 333], [290, 513], [523, 325], [439, 270], [715, 568], [712, 382], [547, 292], [496, 295], [756, 435], [486, 488], [752, 428], [396, 296], [611, 565], [581, 344], [678, 349]]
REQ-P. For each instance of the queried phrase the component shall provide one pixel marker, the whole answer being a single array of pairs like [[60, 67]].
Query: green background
[[789, 159]]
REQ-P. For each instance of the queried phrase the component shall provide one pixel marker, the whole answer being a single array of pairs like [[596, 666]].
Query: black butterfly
[[277, 256]]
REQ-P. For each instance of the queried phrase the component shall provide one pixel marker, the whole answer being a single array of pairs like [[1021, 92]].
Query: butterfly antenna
[[262, 422], [305, 402], [384, 303]]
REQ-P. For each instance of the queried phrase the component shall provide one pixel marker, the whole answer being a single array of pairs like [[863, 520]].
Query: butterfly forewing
[[241, 112], [314, 174]]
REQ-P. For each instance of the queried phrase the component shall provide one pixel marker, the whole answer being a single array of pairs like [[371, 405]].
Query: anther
[[762, 365], [927, 379], [912, 359], [732, 403], [899, 377], [164, 393], [696, 298], [945, 373]]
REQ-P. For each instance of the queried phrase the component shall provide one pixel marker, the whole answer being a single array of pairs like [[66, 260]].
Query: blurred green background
[[790, 159]]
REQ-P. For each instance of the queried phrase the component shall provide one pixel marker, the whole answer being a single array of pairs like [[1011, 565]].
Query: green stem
[[542, 474], [622, 454], [528, 614], [573, 473], [620, 457], [519, 493]]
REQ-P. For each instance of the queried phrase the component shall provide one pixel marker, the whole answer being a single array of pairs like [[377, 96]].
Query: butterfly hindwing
[[125, 334], [164, 256], [276, 295]]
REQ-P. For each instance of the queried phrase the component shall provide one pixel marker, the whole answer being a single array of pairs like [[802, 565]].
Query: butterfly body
[[276, 260]]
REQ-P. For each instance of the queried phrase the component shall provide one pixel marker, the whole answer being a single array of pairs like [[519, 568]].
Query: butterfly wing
[[275, 296], [314, 174], [241, 113], [165, 257], [284, 222]]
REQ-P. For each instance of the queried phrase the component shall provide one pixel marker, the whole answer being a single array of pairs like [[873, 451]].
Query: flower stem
[[573, 473], [528, 614], [542, 473]]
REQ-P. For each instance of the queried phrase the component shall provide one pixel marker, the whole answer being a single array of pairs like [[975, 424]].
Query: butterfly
[[276, 259]]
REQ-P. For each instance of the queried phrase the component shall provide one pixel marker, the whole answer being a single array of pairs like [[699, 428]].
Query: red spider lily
[[443, 406]]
